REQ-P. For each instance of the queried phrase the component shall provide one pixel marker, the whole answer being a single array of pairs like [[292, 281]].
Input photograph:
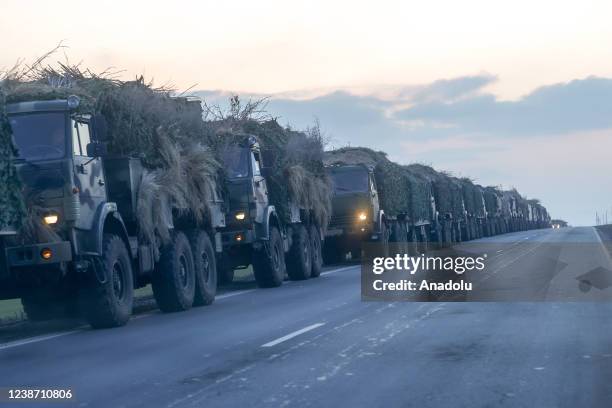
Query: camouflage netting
[[293, 160], [12, 210], [511, 202], [491, 195], [421, 194], [522, 205], [471, 197], [392, 181], [166, 133], [447, 192], [479, 200]]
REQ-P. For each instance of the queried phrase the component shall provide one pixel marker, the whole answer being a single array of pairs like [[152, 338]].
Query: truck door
[[89, 176], [374, 195], [260, 189]]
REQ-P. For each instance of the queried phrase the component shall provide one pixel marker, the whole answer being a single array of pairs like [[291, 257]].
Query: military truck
[[256, 233], [375, 200], [493, 205], [357, 215], [425, 226], [87, 250]]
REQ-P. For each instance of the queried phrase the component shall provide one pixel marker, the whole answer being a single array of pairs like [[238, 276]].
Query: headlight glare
[[51, 219]]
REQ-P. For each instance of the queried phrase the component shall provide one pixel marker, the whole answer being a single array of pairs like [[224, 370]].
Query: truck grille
[[341, 220]]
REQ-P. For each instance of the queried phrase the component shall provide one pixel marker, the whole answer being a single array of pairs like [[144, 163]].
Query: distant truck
[[357, 215], [378, 201], [256, 234], [87, 203]]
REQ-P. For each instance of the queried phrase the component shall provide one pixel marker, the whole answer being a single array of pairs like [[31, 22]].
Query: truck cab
[[356, 213], [63, 186], [249, 208]]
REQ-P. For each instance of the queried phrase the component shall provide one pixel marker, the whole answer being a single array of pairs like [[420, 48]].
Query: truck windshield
[[350, 181], [236, 162], [39, 136]]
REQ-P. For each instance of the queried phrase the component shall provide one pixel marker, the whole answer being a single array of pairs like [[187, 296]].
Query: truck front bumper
[[31, 255], [364, 231], [237, 237]]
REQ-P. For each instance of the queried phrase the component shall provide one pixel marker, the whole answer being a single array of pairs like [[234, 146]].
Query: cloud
[[579, 105]]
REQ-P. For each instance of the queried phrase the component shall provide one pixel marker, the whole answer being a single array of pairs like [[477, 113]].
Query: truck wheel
[[399, 238], [413, 245], [317, 256], [39, 308], [225, 272], [384, 240], [174, 276], [331, 252], [299, 257], [205, 269], [109, 303], [269, 262]]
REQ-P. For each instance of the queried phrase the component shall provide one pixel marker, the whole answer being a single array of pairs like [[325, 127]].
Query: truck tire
[[399, 238], [413, 244], [269, 262], [225, 272], [331, 252], [39, 307], [317, 256], [174, 276], [38, 310], [299, 257], [383, 240], [109, 303], [205, 269]]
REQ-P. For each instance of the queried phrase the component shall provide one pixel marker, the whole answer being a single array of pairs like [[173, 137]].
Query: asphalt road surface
[[315, 343]]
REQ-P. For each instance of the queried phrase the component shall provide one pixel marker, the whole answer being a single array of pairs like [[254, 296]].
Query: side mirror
[[100, 128], [96, 149]]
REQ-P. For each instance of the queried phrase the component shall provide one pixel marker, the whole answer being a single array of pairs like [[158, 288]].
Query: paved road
[[315, 343]]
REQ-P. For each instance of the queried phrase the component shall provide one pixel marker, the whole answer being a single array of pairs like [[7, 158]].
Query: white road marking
[[339, 270], [292, 335], [37, 339], [240, 292]]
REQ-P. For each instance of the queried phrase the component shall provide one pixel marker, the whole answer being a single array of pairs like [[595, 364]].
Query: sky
[[509, 93]]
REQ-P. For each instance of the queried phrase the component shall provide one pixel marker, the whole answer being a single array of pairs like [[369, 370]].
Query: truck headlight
[[362, 216], [51, 219], [240, 215]]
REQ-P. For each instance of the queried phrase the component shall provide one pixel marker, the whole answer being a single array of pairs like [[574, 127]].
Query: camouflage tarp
[[392, 181], [12, 208]]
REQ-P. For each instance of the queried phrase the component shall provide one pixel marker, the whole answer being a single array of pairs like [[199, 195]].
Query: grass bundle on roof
[[12, 209], [447, 192], [295, 159]]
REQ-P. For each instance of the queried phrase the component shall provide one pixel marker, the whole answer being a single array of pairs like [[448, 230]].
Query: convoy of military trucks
[[108, 186], [376, 200]]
